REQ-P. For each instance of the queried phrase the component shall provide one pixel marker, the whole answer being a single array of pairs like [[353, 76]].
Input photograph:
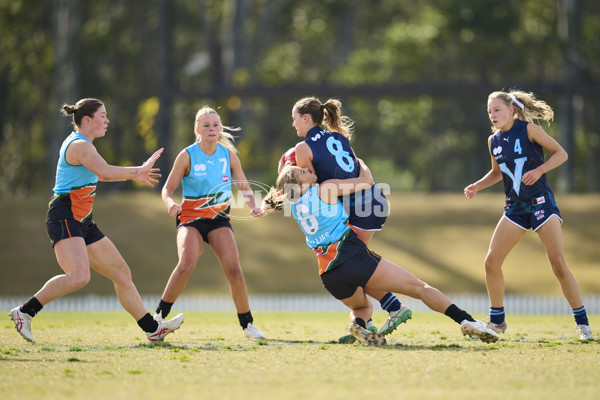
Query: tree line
[[414, 76]]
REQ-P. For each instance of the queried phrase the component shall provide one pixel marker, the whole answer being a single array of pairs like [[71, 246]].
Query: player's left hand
[[531, 177], [256, 212]]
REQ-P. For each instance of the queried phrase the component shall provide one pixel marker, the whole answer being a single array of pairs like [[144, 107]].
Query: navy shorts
[[205, 226], [367, 210], [534, 214], [352, 271]]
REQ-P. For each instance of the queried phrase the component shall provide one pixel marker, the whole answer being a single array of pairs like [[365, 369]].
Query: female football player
[[326, 152], [346, 266], [205, 169], [78, 242], [517, 153]]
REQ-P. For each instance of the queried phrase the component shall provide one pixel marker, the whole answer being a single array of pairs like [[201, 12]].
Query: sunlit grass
[[539, 357]]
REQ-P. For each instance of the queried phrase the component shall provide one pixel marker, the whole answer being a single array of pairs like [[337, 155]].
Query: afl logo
[[225, 179], [199, 167]]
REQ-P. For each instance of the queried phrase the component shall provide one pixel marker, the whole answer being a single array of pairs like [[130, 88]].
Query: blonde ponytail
[[526, 106], [287, 188], [226, 139]]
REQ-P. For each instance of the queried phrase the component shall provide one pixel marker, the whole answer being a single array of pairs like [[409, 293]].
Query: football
[[289, 158]]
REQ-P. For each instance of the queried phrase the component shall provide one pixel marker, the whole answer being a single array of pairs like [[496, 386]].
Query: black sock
[[360, 322], [147, 323], [164, 307], [31, 307], [245, 319], [457, 314]]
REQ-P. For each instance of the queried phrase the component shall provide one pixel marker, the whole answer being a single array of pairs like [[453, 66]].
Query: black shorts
[[205, 226], [67, 228], [60, 223], [353, 272]]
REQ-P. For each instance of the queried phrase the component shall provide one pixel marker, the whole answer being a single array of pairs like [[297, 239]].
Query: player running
[[517, 154], [78, 242]]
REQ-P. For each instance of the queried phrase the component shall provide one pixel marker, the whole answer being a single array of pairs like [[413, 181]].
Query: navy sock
[[360, 322], [164, 307], [457, 314], [497, 315], [390, 302], [245, 319], [580, 316], [147, 323], [31, 307]]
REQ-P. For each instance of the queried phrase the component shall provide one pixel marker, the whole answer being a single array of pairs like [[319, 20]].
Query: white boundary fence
[[473, 303]]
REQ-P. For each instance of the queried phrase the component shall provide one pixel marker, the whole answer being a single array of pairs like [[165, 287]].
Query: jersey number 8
[[309, 223], [342, 157]]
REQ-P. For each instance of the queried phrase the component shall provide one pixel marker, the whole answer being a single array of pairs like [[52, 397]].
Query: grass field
[[442, 238], [105, 356]]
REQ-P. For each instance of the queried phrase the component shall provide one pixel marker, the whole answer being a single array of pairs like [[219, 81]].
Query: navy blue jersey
[[516, 155], [333, 157]]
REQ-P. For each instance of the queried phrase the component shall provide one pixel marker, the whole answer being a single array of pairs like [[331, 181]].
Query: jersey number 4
[[519, 163]]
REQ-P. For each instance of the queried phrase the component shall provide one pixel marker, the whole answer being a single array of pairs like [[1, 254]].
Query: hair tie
[[517, 102], [322, 106]]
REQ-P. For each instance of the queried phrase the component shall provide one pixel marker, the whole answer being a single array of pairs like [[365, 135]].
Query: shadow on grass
[[433, 345]]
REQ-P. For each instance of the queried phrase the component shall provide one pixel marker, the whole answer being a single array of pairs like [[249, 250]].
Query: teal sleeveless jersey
[[75, 181], [322, 223], [207, 188], [71, 177]]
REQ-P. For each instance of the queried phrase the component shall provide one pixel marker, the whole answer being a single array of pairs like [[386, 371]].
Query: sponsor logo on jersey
[[318, 135], [225, 179], [199, 170], [497, 150], [540, 200]]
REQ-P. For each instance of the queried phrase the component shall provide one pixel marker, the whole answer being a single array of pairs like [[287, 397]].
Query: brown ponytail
[[328, 114], [83, 108]]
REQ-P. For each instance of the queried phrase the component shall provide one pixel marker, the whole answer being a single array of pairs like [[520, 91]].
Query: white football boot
[[585, 333], [250, 331], [22, 323], [365, 336], [164, 328], [477, 329]]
